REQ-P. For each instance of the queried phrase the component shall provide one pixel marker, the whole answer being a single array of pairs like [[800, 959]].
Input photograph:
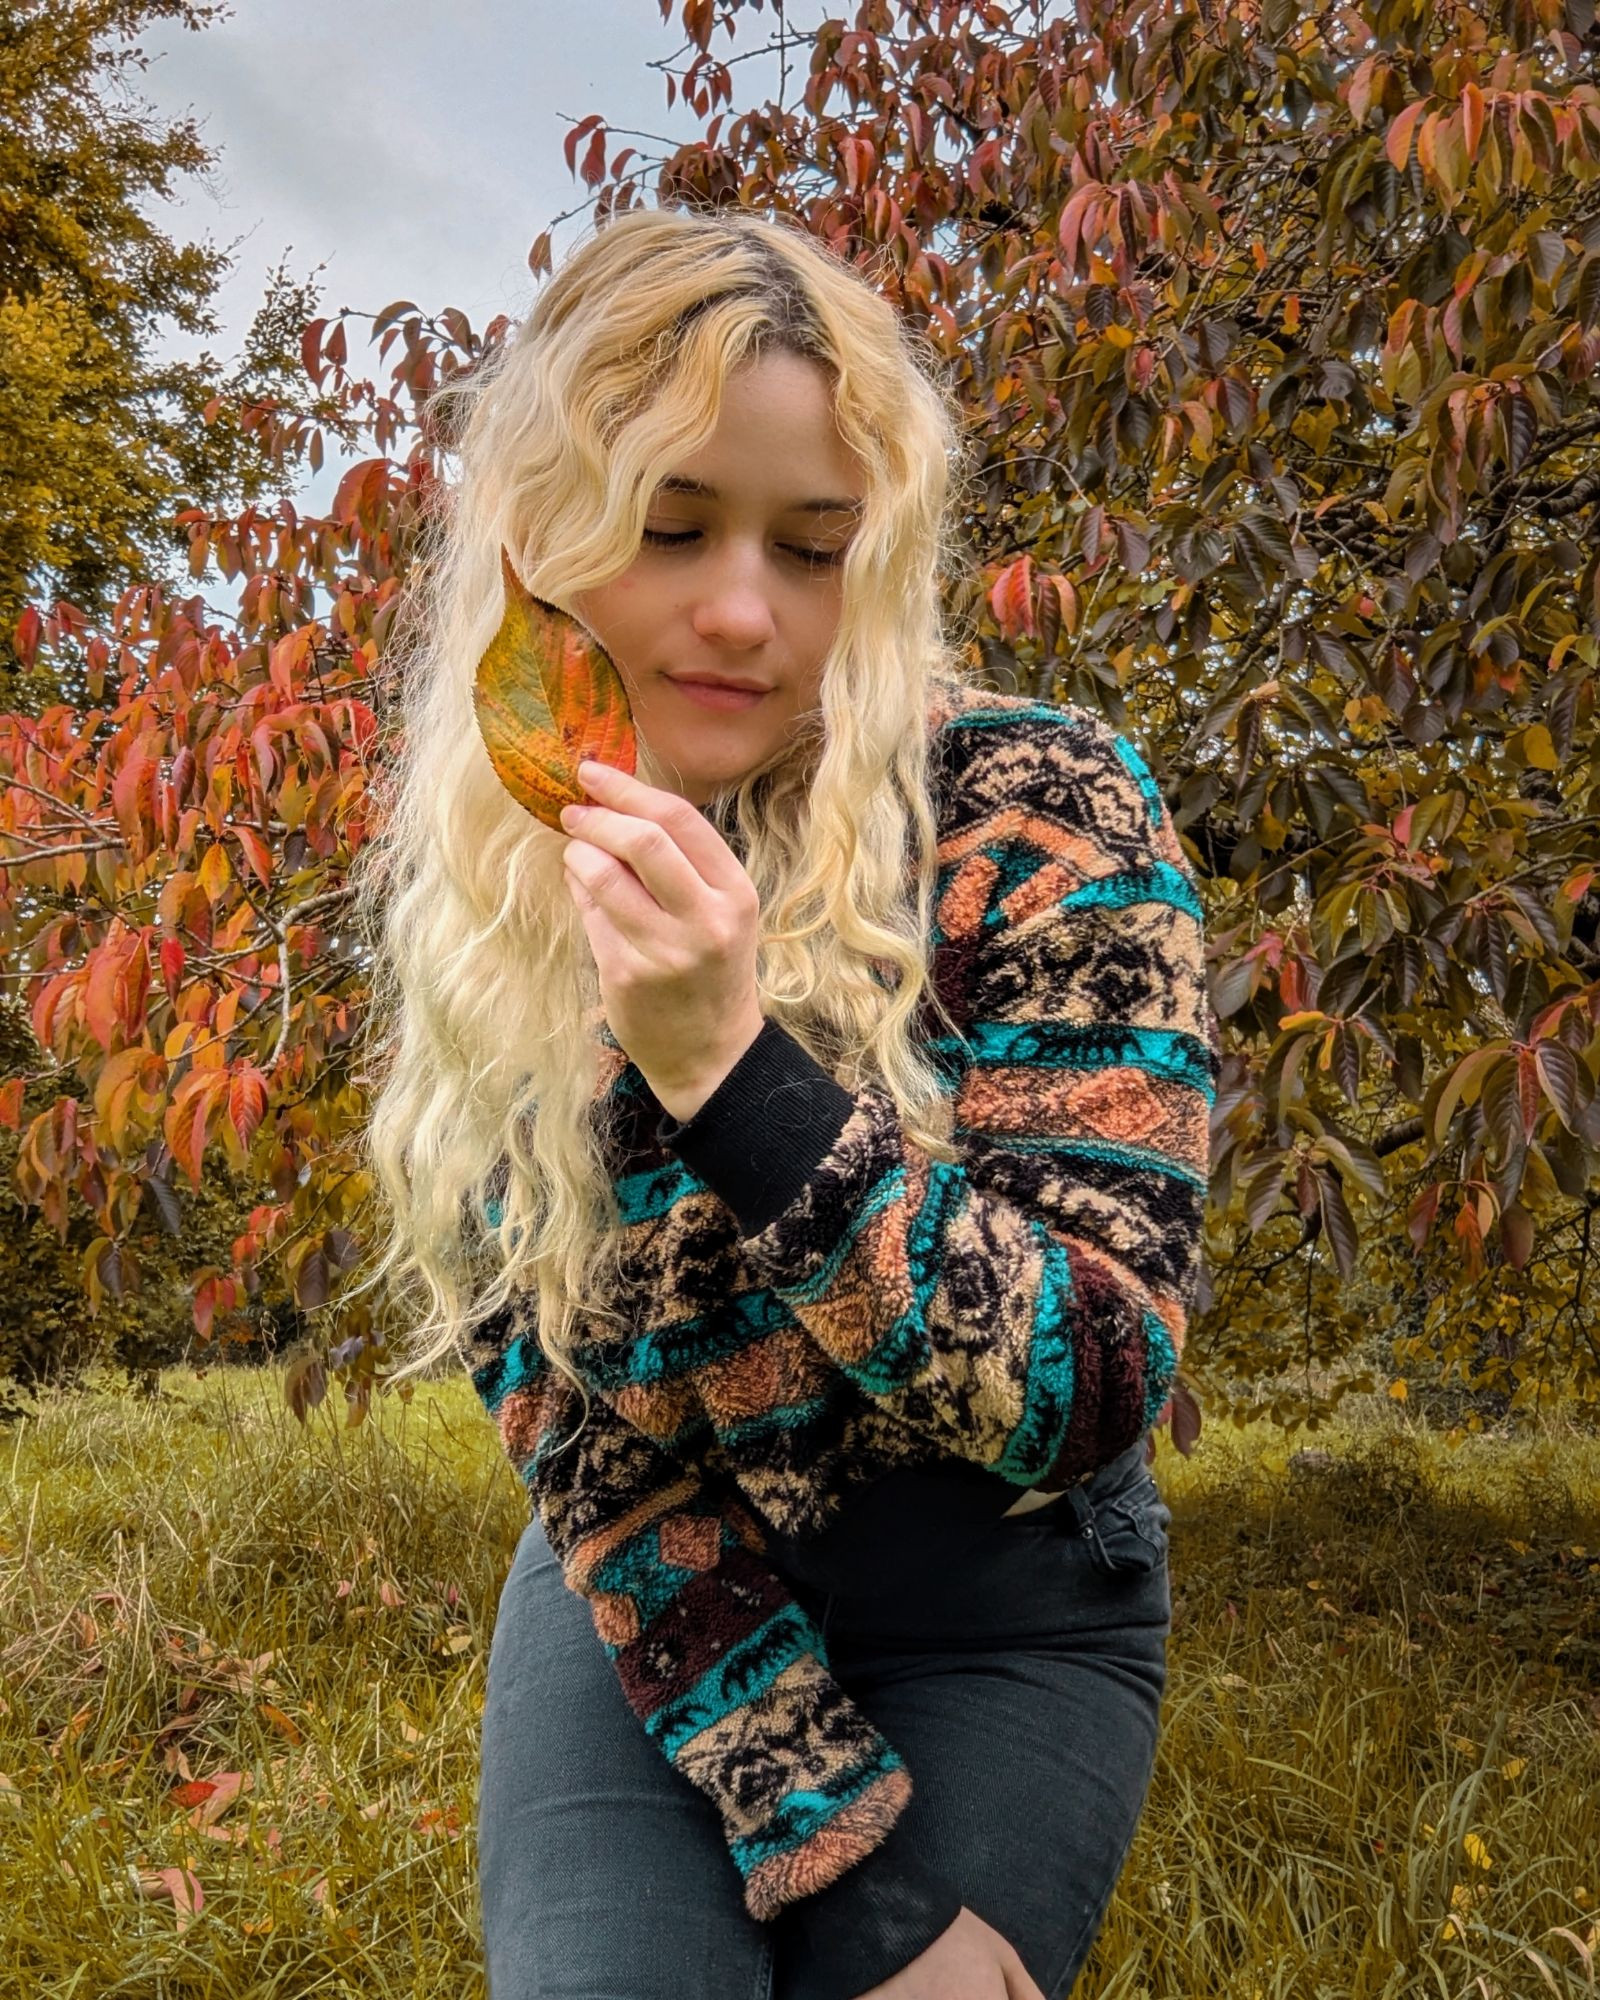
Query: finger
[[691, 831], [604, 885], [650, 850], [1020, 1983], [614, 955]]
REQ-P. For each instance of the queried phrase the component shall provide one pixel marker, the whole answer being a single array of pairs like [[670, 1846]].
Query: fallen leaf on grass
[[71, 1728], [1477, 1852], [244, 1676], [174, 1758], [316, 1887], [279, 1721], [181, 1886], [209, 1798], [401, 1722]]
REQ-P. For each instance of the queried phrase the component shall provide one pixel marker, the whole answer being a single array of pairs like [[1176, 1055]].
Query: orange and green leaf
[[546, 696]]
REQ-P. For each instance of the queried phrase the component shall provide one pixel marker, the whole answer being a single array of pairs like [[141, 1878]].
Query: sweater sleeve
[[1024, 1307], [726, 1672]]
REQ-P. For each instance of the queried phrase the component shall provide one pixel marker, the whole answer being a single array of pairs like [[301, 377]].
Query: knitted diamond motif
[[1130, 1110], [690, 1541], [616, 1618]]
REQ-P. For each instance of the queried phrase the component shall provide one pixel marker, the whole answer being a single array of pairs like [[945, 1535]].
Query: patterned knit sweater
[[813, 1302]]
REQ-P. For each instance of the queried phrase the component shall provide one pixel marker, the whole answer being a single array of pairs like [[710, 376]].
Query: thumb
[[1020, 1984]]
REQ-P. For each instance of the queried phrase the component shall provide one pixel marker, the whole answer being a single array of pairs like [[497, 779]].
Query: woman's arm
[[726, 1673], [1025, 1307]]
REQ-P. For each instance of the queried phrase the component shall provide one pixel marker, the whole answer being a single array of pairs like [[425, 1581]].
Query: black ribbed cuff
[[762, 1132], [871, 1921]]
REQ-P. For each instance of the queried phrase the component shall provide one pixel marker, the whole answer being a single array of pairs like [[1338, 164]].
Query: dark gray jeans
[[1018, 1665]]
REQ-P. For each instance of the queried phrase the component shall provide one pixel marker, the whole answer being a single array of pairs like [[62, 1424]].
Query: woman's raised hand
[[969, 1960]]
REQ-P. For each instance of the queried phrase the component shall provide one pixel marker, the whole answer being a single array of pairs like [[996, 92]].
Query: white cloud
[[413, 148]]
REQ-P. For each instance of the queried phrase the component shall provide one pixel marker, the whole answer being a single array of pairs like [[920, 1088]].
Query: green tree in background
[[1277, 328], [1279, 324], [100, 443]]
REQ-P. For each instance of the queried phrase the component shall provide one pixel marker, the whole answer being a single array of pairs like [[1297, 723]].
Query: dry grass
[[1379, 1773], [197, 1588]]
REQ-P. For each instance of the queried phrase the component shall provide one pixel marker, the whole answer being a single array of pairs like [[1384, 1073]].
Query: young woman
[[806, 1149]]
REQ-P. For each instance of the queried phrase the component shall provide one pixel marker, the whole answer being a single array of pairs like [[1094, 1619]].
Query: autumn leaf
[[181, 1886], [546, 696], [281, 1722], [1304, 482], [206, 1800]]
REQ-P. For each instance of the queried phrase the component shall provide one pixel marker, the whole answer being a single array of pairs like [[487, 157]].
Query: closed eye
[[816, 558]]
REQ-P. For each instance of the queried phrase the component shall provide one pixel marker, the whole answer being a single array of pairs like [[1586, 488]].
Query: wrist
[[681, 1099]]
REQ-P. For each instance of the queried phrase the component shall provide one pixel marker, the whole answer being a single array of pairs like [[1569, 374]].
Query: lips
[[706, 694], [715, 681]]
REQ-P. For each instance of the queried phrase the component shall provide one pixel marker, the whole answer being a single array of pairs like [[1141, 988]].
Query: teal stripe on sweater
[[1006, 718], [1168, 1052], [636, 1568], [653, 1192], [668, 1351], [518, 1366], [786, 1417], [1039, 1437], [1140, 771], [804, 1813], [1159, 883], [741, 1676]]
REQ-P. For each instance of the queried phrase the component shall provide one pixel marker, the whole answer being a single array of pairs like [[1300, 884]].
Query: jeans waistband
[[1111, 1474]]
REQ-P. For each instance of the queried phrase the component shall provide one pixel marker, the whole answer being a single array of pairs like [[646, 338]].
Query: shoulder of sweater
[[973, 724], [1005, 758]]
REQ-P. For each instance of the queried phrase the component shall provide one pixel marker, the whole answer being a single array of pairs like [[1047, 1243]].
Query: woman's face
[[739, 578]]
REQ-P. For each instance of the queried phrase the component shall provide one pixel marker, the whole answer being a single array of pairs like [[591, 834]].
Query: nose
[[732, 607]]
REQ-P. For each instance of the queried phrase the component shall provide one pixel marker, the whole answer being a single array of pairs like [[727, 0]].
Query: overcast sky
[[411, 146]]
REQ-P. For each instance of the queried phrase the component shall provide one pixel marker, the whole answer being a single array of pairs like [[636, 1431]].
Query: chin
[[688, 774]]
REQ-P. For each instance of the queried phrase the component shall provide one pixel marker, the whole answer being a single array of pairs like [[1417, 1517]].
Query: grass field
[[242, 1667]]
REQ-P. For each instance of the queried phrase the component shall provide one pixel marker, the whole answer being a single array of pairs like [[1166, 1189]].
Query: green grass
[[1379, 1772]]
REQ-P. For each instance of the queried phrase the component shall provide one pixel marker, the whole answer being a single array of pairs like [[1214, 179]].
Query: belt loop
[[1083, 1511]]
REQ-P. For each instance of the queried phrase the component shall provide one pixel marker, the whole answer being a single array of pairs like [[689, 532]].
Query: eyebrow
[[697, 489]]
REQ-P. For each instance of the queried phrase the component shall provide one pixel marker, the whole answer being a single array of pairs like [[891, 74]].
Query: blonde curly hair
[[484, 1035]]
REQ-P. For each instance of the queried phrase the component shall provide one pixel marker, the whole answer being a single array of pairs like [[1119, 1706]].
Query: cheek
[[617, 616], [822, 624]]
